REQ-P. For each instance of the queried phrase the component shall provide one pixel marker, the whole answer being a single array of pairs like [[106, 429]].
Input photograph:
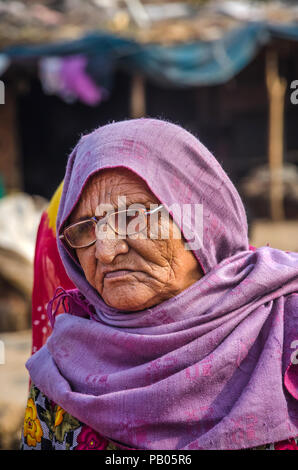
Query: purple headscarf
[[208, 369]]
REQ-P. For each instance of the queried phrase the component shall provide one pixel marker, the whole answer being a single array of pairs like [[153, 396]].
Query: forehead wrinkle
[[132, 196], [104, 188], [134, 190], [84, 206]]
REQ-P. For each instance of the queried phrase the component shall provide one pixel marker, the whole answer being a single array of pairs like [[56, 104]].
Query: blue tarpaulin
[[182, 65]]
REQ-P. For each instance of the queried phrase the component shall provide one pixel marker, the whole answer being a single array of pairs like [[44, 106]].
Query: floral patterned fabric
[[48, 427]]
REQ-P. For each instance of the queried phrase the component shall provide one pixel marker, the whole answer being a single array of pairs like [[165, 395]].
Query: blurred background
[[225, 70]]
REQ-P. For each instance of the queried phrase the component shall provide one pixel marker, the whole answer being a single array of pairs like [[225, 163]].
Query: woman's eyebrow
[[86, 217], [80, 219], [129, 202], [143, 202]]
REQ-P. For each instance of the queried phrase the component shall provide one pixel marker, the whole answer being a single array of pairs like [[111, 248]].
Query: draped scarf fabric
[[211, 368]]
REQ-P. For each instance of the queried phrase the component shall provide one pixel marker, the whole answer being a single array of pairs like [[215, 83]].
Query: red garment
[[49, 273]]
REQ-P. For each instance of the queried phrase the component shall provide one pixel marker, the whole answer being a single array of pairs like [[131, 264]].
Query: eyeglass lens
[[81, 234]]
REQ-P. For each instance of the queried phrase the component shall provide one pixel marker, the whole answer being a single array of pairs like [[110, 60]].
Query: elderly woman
[[177, 336]]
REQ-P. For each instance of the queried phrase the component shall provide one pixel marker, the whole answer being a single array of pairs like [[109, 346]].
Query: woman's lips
[[119, 273]]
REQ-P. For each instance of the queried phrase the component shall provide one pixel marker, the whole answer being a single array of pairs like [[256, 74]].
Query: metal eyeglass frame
[[105, 219]]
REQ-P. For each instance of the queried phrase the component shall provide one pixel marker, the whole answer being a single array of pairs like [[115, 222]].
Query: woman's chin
[[129, 303], [129, 293]]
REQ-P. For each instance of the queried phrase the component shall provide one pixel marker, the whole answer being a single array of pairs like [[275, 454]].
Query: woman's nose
[[107, 250]]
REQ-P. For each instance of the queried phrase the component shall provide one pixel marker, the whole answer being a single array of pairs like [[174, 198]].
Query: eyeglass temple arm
[[154, 210]]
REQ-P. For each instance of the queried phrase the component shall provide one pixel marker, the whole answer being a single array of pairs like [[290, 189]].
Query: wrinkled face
[[132, 273]]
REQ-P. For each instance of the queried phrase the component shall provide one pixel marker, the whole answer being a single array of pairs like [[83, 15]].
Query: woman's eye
[[83, 228]]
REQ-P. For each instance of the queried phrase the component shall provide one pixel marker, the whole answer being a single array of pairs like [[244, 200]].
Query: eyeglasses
[[123, 223]]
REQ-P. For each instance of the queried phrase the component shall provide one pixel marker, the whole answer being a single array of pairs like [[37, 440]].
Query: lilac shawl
[[208, 369]]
